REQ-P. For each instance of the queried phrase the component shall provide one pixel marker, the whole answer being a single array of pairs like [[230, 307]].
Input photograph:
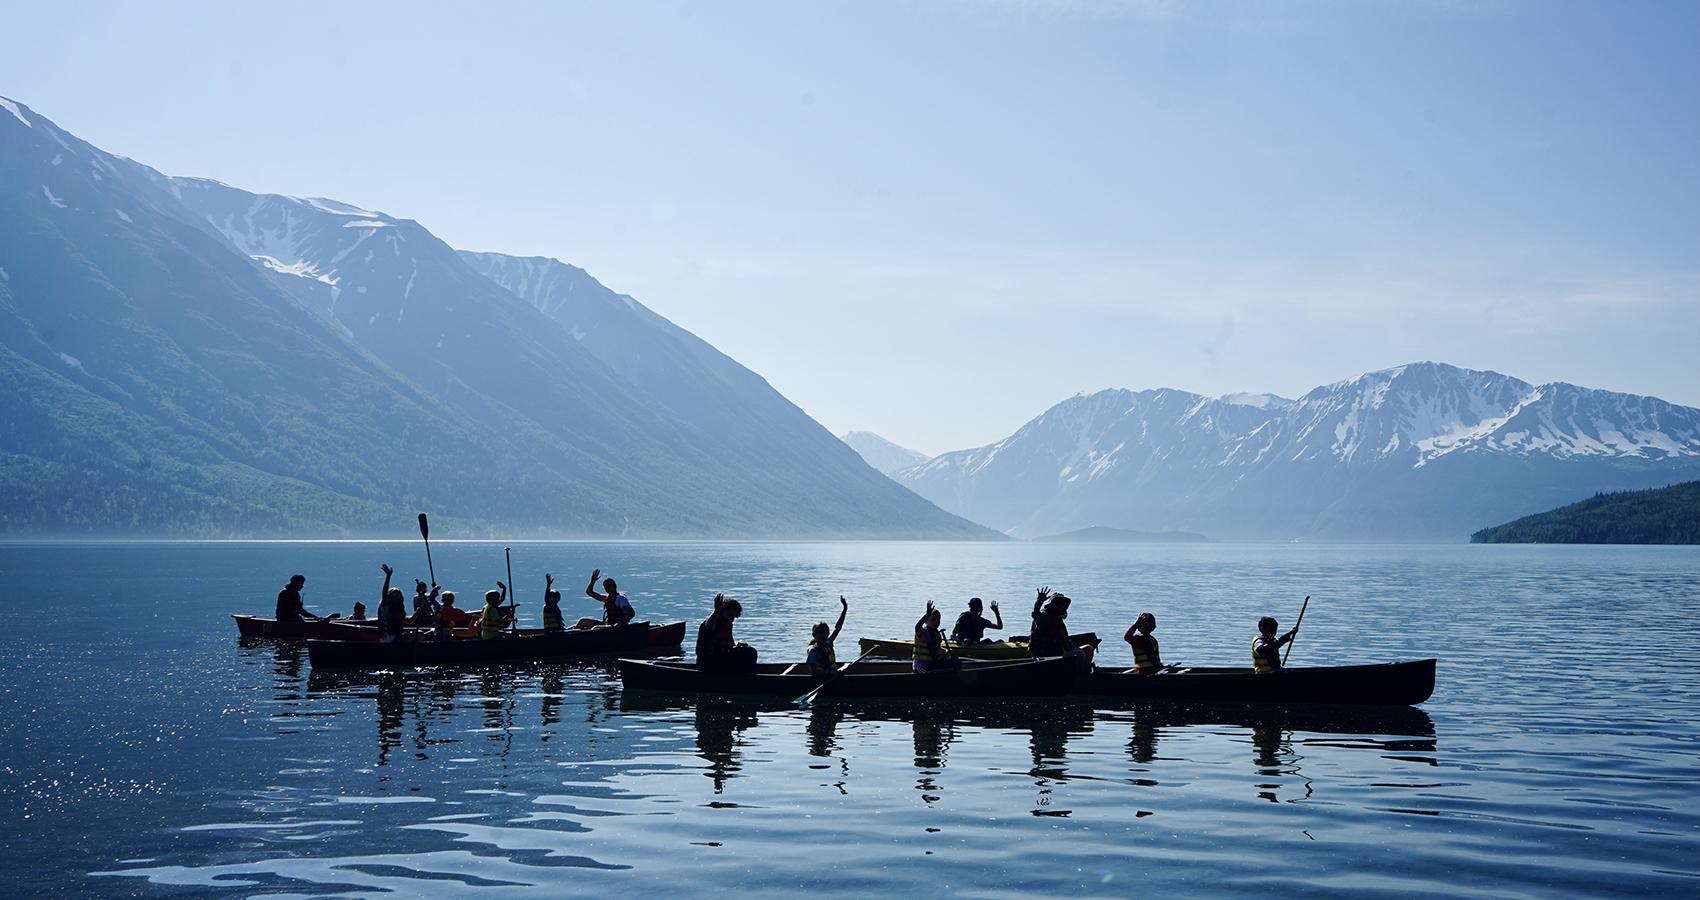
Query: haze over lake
[[149, 753]]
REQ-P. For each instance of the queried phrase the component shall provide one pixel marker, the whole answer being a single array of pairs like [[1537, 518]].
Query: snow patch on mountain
[[12, 108], [52, 199]]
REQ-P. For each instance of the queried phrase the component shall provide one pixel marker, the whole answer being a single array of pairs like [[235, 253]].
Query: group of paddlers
[[718, 651], [435, 609]]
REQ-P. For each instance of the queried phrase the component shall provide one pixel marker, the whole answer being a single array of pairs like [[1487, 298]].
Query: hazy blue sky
[[935, 219]]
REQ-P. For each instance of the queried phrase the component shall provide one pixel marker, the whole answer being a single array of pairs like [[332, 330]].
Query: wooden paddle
[[1296, 625], [513, 614], [808, 698], [425, 532]]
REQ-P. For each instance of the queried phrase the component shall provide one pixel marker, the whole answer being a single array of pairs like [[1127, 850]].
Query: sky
[[933, 220]]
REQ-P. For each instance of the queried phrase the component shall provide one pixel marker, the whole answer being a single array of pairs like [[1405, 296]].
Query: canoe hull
[[1006, 650], [337, 630], [1391, 684], [632, 638], [1026, 678]]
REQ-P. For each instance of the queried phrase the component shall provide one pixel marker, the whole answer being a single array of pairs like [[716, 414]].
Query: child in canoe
[[822, 659], [929, 654], [616, 607]]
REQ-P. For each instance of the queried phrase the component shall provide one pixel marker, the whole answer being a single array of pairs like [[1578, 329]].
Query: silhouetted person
[[929, 655], [1266, 647], [289, 608], [359, 614], [424, 605], [716, 650], [616, 607], [1050, 625], [450, 615], [970, 627], [1146, 658], [392, 609], [552, 620], [490, 617], [822, 659]]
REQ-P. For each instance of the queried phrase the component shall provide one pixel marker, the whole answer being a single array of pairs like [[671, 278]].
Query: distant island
[[1107, 535], [1668, 515]]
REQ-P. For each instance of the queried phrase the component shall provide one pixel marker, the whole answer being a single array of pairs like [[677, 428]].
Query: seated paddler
[[1147, 660], [451, 616], [616, 607], [717, 651], [552, 620], [491, 617], [929, 654], [289, 608], [822, 659], [970, 627], [1266, 647]]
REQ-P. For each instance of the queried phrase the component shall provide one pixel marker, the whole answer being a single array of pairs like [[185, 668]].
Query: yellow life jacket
[[490, 622], [552, 620], [1259, 663], [925, 651], [1145, 657]]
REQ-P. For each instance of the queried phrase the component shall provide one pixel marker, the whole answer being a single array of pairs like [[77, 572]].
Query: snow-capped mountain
[[880, 453], [1417, 451], [188, 357]]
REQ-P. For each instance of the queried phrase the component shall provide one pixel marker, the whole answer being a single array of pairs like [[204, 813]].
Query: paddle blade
[[424, 528]]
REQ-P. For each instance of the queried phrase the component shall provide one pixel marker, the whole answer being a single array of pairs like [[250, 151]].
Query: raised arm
[[998, 625], [923, 620], [843, 609], [590, 589], [548, 585], [1044, 594], [504, 589], [385, 592]]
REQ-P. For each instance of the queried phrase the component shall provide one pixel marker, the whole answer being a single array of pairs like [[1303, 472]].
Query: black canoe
[[1392, 684], [1023, 678], [636, 637], [322, 629]]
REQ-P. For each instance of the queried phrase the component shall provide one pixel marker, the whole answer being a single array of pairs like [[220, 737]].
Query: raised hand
[[994, 606], [843, 602], [386, 568], [595, 574], [929, 606], [548, 581], [501, 585], [1044, 594]]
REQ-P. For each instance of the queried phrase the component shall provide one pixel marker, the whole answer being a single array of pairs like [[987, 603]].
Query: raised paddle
[[425, 532], [1301, 621], [808, 698], [513, 615]]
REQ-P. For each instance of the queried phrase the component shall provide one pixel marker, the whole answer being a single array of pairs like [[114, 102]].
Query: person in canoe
[[1266, 647], [716, 650], [289, 608], [1146, 658], [929, 654], [970, 627], [359, 614], [1050, 626], [822, 659], [491, 617], [552, 620], [392, 610], [451, 616], [424, 605], [616, 608]]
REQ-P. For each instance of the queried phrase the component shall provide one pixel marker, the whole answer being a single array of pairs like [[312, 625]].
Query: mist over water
[[149, 752]]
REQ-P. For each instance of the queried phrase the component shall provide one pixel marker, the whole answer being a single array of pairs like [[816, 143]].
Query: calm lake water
[[145, 751]]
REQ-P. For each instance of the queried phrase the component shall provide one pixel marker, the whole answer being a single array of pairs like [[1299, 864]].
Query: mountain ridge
[[281, 366], [1381, 455]]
